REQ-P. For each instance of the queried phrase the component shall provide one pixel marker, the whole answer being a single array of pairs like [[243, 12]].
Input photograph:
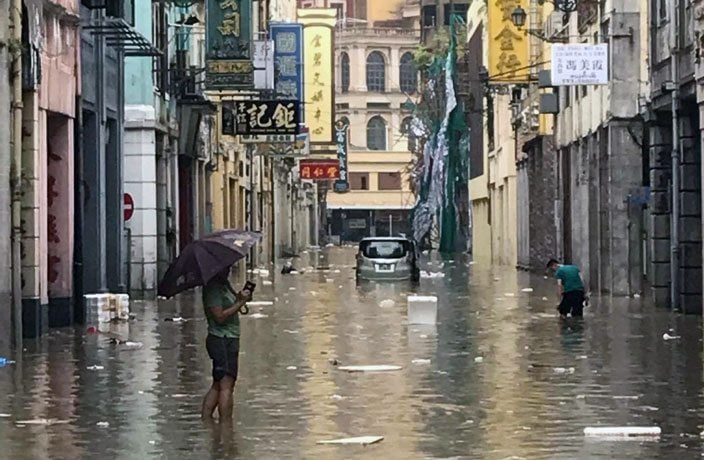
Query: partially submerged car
[[387, 258]]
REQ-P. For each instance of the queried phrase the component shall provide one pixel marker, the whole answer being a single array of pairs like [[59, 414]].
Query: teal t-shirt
[[220, 295], [569, 275]]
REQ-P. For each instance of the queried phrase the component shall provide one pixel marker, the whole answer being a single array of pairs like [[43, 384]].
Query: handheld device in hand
[[249, 286]]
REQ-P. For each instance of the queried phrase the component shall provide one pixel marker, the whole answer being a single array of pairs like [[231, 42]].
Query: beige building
[[375, 79]]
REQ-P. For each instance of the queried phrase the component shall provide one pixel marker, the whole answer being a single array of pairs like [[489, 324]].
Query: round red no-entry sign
[[128, 208]]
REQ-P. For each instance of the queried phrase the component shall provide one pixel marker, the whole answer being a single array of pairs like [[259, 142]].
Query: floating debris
[[260, 303], [623, 431], [563, 370], [291, 368], [103, 424], [176, 319], [42, 421], [371, 368], [527, 290], [479, 359], [362, 440], [667, 336], [95, 368], [424, 274], [421, 361], [387, 303]]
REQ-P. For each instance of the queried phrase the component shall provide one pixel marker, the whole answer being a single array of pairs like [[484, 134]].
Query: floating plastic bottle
[[4, 361]]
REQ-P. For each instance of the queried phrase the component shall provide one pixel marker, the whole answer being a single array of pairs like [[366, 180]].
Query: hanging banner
[[319, 169], [341, 129], [508, 46], [228, 61], [288, 62], [318, 39]]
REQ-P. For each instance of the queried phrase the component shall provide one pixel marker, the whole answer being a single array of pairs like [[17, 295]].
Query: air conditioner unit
[[553, 25]]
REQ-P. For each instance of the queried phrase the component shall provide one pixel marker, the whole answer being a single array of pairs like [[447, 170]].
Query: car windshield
[[380, 249]]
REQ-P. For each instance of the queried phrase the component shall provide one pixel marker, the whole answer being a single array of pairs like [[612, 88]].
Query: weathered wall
[[5, 197]]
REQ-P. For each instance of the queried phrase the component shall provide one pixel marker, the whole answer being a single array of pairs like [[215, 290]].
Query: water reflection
[[499, 375]]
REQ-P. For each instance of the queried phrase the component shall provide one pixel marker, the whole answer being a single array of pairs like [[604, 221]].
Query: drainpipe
[[675, 96], [17, 106]]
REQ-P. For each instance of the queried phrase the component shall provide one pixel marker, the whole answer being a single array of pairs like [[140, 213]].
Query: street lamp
[[518, 18]]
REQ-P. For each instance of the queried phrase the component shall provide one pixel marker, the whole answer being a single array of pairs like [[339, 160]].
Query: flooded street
[[498, 377]]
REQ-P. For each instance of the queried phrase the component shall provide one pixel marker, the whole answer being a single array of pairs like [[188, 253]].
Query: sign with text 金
[[288, 62], [319, 169], [579, 64], [318, 39], [341, 130], [229, 45], [508, 46], [262, 117]]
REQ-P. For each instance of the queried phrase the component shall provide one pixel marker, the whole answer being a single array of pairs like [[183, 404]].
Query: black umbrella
[[201, 260]]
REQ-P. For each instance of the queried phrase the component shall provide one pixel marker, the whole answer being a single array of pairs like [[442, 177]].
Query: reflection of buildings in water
[[140, 376], [507, 406]]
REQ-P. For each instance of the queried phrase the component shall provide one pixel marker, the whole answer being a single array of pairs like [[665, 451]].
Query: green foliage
[[436, 46]]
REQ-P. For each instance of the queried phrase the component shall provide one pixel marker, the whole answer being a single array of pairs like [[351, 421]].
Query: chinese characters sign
[[319, 169], [319, 95], [288, 61], [228, 42], [341, 130], [579, 65], [260, 117], [508, 46]]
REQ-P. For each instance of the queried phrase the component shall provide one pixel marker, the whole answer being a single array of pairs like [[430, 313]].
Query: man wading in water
[[571, 288], [222, 308]]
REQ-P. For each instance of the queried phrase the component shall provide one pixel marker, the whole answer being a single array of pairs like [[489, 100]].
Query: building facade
[[672, 158], [375, 79]]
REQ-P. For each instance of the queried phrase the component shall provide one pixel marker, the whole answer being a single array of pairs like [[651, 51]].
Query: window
[[345, 72], [359, 181], [376, 134], [376, 72], [406, 131], [384, 249], [389, 181], [409, 74]]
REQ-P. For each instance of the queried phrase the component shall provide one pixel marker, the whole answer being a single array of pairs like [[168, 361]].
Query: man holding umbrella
[[222, 307], [207, 262]]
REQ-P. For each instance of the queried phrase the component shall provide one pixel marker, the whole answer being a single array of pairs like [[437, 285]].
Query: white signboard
[[263, 61], [577, 64]]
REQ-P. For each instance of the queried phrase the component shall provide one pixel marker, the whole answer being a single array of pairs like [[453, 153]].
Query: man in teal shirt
[[222, 307], [570, 286]]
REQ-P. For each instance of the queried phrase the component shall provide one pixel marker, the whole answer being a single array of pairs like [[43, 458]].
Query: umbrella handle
[[244, 310]]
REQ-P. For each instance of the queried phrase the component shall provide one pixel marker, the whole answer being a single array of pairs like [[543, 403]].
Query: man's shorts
[[572, 302], [224, 351]]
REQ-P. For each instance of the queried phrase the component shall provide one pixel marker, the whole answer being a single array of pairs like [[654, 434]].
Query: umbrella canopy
[[202, 259]]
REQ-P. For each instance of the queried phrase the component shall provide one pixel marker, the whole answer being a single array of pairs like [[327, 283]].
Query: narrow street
[[504, 378]]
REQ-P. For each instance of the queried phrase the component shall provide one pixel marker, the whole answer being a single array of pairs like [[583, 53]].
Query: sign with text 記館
[[288, 62], [579, 64], [341, 130], [508, 46], [228, 61], [313, 169], [260, 117], [318, 72]]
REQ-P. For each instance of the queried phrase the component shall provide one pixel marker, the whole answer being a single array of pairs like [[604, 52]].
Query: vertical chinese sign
[[288, 62], [341, 130], [229, 45], [508, 46], [318, 39]]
